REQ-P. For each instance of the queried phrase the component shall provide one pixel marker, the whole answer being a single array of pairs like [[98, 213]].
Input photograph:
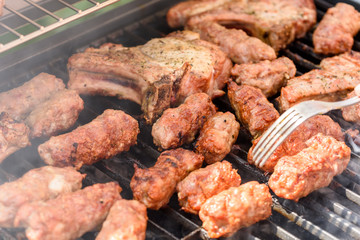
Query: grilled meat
[[235, 208], [336, 30], [20, 101], [127, 220], [2, 3], [70, 215], [351, 113], [57, 114], [346, 62], [204, 183], [268, 76], [154, 186], [314, 167], [295, 142], [14, 135], [109, 134], [217, 136], [38, 184], [162, 72], [252, 108], [178, 126]]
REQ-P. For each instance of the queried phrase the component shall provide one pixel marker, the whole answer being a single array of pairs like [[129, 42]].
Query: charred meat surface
[[204, 183], [217, 136], [109, 134], [14, 135], [346, 62], [70, 215], [38, 184], [57, 114], [154, 186], [126, 220], [335, 32], [252, 108], [235, 208], [162, 72], [178, 126], [268, 76], [20, 101], [314, 167], [295, 142]]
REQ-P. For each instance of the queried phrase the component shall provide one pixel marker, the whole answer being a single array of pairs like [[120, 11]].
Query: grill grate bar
[[23, 17], [44, 10], [69, 6]]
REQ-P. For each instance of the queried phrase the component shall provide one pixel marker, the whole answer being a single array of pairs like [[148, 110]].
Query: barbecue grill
[[41, 36]]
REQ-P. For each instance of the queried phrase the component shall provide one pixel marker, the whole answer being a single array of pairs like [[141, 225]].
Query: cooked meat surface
[[178, 126], [154, 186], [252, 108], [352, 113], [2, 3], [268, 76], [70, 215], [57, 114], [20, 101], [346, 62], [276, 22], [204, 183], [335, 32], [240, 47], [295, 142], [14, 135], [319, 85], [162, 72], [127, 220], [314, 167], [235, 208], [217, 136], [109, 134], [38, 184]]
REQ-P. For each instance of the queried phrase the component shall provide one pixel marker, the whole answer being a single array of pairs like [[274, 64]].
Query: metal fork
[[289, 121]]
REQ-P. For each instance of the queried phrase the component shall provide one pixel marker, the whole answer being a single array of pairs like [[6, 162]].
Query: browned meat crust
[[346, 62], [127, 220], [109, 134], [336, 30], [268, 76], [217, 136], [351, 113], [314, 167], [252, 108], [154, 186], [295, 142], [13, 136], [70, 215], [178, 126], [38, 184], [204, 183], [240, 47], [57, 114], [235, 208], [20, 101]]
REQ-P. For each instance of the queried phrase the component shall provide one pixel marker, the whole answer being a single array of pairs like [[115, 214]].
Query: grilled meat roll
[[38, 184], [154, 186], [109, 134], [312, 168]]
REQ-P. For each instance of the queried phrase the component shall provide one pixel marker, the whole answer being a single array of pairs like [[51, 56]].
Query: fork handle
[[344, 103]]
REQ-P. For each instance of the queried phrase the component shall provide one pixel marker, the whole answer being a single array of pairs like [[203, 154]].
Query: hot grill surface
[[329, 213]]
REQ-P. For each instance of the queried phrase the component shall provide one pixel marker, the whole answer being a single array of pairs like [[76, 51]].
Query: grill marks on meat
[[252, 108], [314, 167], [235, 208], [336, 30], [38, 184], [109, 134], [204, 183], [156, 74], [295, 142], [59, 113], [14, 135], [268, 76], [217, 136], [20, 101], [127, 219], [154, 186], [70, 215], [178, 126]]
